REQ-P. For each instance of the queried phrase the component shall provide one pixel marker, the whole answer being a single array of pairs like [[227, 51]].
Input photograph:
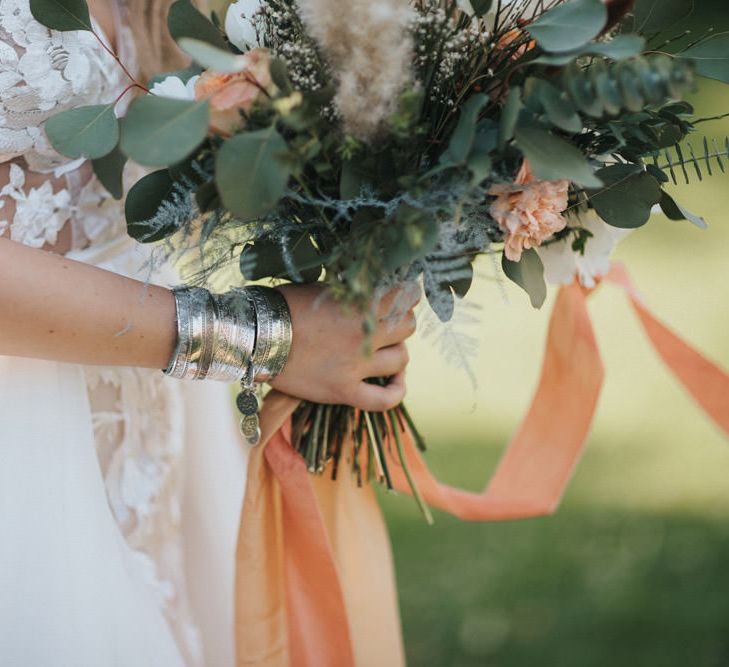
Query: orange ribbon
[[297, 603]]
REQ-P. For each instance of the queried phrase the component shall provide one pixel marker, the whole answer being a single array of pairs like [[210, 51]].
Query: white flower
[[561, 263], [239, 24], [173, 87]]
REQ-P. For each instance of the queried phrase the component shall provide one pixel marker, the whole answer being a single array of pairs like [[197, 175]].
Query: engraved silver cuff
[[215, 335], [195, 330], [241, 336], [274, 333]]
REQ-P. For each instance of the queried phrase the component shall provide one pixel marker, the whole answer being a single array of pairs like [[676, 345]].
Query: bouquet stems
[[321, 432]]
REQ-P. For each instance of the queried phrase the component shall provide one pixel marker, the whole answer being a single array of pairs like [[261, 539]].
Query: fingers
[[374, 398], [387, 361], [394, 331], [399, 300]]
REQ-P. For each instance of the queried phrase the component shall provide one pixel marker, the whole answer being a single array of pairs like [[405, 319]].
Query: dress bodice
[[43, 72]]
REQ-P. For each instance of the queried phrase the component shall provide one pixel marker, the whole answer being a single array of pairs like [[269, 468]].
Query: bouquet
[[371, 142]]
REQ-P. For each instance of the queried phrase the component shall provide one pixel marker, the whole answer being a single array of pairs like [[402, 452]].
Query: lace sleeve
[[43, 72]]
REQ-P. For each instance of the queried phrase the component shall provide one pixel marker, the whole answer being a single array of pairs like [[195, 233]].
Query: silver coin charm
[[247, 402], [250, 429]]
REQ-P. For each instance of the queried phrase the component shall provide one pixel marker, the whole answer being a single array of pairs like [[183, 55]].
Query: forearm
[[54, 308]]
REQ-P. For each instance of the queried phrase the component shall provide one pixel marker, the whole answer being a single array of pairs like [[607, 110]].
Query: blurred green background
[[634, 568]]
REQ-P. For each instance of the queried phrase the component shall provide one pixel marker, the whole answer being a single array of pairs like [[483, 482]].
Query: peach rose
[[229, 94], [528, 211], [508, 39]]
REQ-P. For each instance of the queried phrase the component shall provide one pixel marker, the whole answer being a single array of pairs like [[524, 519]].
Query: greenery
[[554, 90]]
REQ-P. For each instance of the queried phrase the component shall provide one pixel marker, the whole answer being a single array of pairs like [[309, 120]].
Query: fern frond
[[701, 164]]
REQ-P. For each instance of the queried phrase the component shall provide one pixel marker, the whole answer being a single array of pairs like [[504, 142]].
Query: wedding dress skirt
[[120, 498]]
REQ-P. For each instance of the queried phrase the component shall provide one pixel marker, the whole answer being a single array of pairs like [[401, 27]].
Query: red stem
[[127, 89], [135, 83]]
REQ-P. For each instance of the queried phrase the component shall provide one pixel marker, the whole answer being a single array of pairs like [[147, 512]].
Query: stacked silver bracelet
[[243, 336]]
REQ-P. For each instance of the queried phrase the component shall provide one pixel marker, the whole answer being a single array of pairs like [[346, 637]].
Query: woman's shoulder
[[43, 72]]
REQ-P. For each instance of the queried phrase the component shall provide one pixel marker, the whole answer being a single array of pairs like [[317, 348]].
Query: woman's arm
[[55, 308]]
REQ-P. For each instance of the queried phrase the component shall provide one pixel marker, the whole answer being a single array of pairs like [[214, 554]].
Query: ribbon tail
[[538, 463], [260, 597], [316, 611], [704, 380]]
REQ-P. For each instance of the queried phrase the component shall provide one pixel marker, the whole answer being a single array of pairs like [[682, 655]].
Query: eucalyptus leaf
[[487, 136], [252, 171], [674, 211], [211, 57], [207, 197], [265, 259], [528, 273], [581, 90], [160, 131], [569, 25], [652, 16], [606, 88], [711, 57], [481, 7], [628, 197], [184, 20], [618, 48], [142, 203], [510, 116], [63, 15], [559, 109], [89, 131], [109, 169], [463, 136], [481, 166], [552, 158]]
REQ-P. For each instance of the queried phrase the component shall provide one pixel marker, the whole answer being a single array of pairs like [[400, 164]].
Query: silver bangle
[[195, 321], [215, 336], [242, 336], [235, 337], [274, 333]]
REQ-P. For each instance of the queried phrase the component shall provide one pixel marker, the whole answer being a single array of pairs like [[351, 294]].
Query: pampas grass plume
[[369, 46]]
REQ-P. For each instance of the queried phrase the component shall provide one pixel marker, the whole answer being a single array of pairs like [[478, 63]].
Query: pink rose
[[229, 94], [529, 211]]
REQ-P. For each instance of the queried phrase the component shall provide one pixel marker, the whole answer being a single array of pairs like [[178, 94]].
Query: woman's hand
[[328, 363]]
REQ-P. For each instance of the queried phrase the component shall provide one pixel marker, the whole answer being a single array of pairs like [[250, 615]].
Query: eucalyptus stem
[[425, 510]]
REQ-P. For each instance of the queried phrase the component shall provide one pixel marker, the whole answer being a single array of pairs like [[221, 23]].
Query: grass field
[[634, 568]]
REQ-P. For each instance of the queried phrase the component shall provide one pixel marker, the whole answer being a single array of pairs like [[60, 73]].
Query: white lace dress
[[120, 489]]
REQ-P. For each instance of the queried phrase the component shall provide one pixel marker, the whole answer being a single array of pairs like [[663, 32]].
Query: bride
[[120, 488]]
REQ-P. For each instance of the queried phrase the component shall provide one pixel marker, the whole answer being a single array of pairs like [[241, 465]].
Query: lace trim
[[138, 420]]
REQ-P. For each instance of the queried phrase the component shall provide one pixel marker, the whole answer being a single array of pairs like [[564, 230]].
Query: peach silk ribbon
[[314, 583]]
